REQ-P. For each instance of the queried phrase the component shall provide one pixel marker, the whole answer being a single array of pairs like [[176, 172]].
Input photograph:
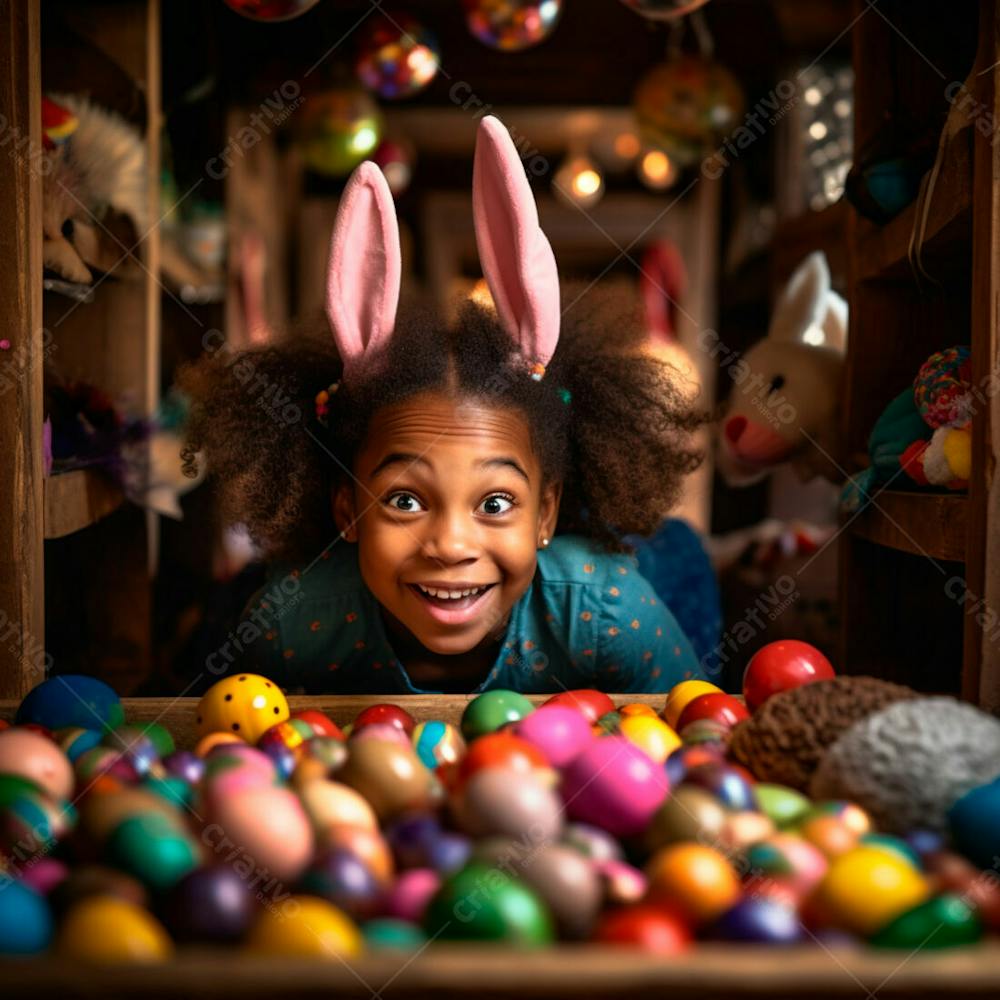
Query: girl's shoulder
[[573, 559]]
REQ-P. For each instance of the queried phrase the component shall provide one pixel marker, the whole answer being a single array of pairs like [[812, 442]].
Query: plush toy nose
[[735, 426]]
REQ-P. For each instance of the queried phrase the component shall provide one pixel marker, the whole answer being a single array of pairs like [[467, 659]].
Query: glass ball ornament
[[337, 129], [396, 158], [686, 106], [664, 10], [511, 25], [271, 10], [397, 56]]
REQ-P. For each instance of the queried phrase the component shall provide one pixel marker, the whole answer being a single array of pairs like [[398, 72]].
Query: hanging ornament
[[686, 106], [657, 170], [396, 160], [512, 25], [579, 182], [337, 129], [663, 10], [397, 56], [271, 10]]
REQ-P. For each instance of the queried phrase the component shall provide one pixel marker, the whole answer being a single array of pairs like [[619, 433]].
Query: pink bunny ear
[[516, 257], [662, 282], [362, 282]]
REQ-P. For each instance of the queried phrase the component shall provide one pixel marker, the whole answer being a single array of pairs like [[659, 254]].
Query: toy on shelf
[[786, 388], [924, 435]]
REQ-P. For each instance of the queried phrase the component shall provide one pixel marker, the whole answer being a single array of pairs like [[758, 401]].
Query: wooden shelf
[[75, 500], [883, 251], [923, 524]]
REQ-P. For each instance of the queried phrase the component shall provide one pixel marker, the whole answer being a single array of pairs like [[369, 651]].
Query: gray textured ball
[[909, 762]]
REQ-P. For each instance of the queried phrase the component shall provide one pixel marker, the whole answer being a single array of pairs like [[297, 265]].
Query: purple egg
[[684, 758], [44, 874], [449, 852], [411, 838], [210, 905], [559, 731], [186, 765], [755, 920], [925, 842], [614, 785], [726, 784], [343, 878], [283, 758], [409, 895]]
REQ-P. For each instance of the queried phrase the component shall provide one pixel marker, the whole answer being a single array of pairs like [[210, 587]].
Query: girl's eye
[[405, 502], [498, 503]]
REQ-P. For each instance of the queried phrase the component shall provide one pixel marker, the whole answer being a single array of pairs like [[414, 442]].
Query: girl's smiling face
[[449, 509]]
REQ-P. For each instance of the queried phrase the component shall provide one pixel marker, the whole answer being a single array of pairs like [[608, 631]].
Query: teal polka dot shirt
[[589, 619]]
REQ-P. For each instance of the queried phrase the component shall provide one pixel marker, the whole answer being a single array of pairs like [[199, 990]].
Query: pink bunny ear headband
[[362, 289]]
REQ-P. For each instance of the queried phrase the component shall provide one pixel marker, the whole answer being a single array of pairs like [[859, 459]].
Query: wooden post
[[22, 626]]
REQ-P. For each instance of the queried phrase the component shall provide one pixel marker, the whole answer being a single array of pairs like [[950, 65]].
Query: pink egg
[[614, 785], [559, 731], [44, 874], [264, 829], [33, 756], [621, 882], [410, 894], [224, 758], [384, 731]]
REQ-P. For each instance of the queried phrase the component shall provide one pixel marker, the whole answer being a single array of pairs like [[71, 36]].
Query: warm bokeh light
[[579, 181], [657, 170]]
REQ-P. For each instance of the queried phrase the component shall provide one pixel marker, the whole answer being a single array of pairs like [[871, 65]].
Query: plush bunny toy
[[783, 406]]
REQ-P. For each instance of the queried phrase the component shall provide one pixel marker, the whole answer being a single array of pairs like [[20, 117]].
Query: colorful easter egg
[[304, 927], [25, 920], [480, 903], [154, 732], [185, 765], [788, 860], [498, 801], [974, 821], [369, 845], [943, 922], [487, 712], [690, 813], [694, 877], [390, 777], [621, 883], [45, 875], [437, 743], [593, 704], [35, 757], [783, 805], [244, 704], [75, 741], [951, 873], [210, 741], [592, 842], [108, 930], [388, 932], [502, 750], [651, 735], [153, 849], [690, 756], [330, 804], [560, 732], [866, 888], [644, 927], [725, 782], [681, 695], [387, 714], [755, 920], [715, 705], [342, 878], [780, 666], [210, 905], [408, 897], [320, 723], [418, 841], [71, 701], [614, 785], [97, 880]]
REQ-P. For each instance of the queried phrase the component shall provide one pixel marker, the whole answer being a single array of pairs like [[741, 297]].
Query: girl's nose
[[453, 539]]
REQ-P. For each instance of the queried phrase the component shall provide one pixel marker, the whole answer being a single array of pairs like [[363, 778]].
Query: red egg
[[501, 749], [654, 929], [716, 706], [322, 725], [383, 712], [592, 703], [780, 666]]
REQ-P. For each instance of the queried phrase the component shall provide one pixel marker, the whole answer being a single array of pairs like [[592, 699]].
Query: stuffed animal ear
[[362, 283], [517, 260], [835, 324], [803, 303]]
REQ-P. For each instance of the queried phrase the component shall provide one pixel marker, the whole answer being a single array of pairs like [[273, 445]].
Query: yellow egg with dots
[[681, 694], [109, 930], [304, 927], [246, 705], [651, 735]]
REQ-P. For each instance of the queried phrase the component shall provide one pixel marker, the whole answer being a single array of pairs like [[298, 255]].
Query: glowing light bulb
[[657, 170], [627, 145], [579, 182]]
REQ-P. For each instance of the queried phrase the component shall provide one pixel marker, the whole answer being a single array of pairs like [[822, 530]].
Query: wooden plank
[[21, 525], [920, 523], [78, 499], [707, 972]]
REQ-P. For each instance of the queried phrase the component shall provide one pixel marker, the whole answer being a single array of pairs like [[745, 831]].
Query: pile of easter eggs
[[579, 819]]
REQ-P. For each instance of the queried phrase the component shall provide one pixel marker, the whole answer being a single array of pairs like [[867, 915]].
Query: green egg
[[483, 903], [153, 849], [175, 790], [783, 806], [387, 932], [895, 845], [493, 709], [943, 922]]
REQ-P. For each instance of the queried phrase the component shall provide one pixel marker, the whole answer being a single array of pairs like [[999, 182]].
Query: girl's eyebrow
[[398, 458], [508, 462]]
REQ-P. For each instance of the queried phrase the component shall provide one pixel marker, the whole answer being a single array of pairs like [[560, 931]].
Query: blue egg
[[726, 784], [72, 701], [975, 824], [754, 920], [388, 932], [25, 920]]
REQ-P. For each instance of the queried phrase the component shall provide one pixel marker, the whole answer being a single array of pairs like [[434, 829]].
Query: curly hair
[[609, 421]]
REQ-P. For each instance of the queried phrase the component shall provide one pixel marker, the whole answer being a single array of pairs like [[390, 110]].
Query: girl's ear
[[516, 257], [548, 512], [362, 283], [803, 303], [344, 513]]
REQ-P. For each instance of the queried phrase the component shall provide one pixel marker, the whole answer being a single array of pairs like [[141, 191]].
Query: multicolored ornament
[[271, 10], [338, 129], [397, 55], [664, 10], [511, 25]]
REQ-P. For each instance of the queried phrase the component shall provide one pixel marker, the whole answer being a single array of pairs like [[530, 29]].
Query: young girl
[[449, 509]]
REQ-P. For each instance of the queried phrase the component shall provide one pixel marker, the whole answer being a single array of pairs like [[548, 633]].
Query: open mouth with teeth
[[457, 599]]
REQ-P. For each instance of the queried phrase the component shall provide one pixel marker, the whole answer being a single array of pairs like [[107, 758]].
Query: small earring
[[545, 543]]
